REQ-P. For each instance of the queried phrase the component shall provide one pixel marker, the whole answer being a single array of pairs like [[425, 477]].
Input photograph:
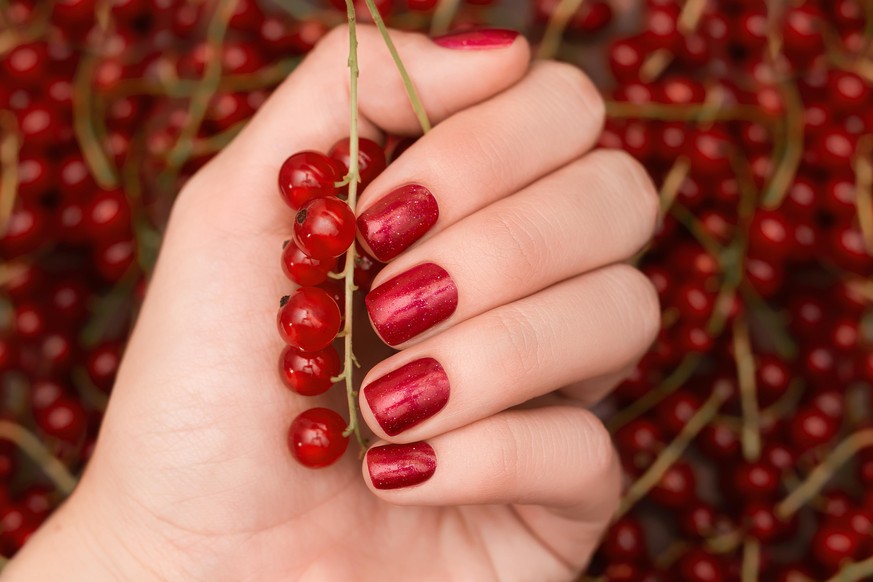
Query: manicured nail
[[409, 395], [483, 38], [412, 303], [394, 223], [396, 466]]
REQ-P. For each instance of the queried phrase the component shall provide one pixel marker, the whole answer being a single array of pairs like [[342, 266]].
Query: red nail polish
[[412, 302], [394, 223], [396, 466], [484, 38], [408, 396]]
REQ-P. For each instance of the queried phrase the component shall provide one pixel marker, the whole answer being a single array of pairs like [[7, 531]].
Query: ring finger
[[588, 327]]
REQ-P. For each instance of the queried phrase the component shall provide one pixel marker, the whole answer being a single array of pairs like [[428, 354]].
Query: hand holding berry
[[506, 237]]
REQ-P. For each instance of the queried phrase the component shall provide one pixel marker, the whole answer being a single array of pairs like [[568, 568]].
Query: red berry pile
[[745, 433], [309, 320]]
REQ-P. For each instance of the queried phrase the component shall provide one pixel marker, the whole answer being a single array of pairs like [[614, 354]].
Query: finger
[[586, 328], [310, 111], [547, 233], [481, 155], [560, 457]]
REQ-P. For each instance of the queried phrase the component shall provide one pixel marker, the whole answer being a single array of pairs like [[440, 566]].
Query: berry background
[[745, 433]]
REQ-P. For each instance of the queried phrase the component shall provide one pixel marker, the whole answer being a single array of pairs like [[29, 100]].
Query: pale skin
[[192, 478]]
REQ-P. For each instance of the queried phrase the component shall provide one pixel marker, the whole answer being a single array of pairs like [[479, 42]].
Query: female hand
[[526, 315]]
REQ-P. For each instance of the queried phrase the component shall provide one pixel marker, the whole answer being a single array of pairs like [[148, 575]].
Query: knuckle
[[519, 340], [502, 462], [517, 241], [639, 305], [580, 87]]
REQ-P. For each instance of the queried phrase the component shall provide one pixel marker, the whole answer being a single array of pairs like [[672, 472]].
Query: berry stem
[[672, 182], [33, 448], [691, 113], [855, 571], [751, 560], [411, 92], [751, 430], [10, 143], [85, 123], [443, 16], [819, 476], [554, 35], [206, 87], [864, 188], [790, 149], [353, 178], [640, 406], [673, 451]]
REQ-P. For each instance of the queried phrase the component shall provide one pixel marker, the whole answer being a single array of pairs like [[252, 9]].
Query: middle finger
[[596, 211]]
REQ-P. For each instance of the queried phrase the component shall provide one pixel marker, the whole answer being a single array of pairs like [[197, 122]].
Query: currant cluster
[[311, 184]]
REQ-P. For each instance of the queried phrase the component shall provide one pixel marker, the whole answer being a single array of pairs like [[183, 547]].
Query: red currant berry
[[309, 319], [324, 228], [308, 373], [305, 176], [302, 269], [371, 158], [316, 437]]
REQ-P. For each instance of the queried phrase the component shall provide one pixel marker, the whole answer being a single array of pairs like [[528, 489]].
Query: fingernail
[[412, 302], [484, 38], [396, 466], [399, 219], [409, 395]]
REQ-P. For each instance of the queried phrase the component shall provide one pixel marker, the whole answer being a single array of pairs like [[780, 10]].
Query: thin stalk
[[751, 428], [443, 16], [693, 112], [670, 188], [819, 476], [790, 150], [673, 451], [10, 143], [751, 560], [864, 189], [206, 87], [853, 572], [414, 100], [560, 18], [86, 126], [354, 177], [33, 448]]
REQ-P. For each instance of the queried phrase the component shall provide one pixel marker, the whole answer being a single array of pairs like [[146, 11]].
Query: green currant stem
[[560, 18], [443, 16], [651, 398], [411, 92], [751, 560], [819, 476], [751, 430], [33, 448], [864, 188], [85, 125], [354, 178], [10, 143], [790, 150], [206, 87], [670, 112], [672, 182], [853, 572], [673, 451]]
